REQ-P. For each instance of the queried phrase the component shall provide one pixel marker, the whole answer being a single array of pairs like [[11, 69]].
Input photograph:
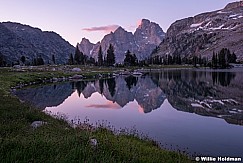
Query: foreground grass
[[56, 141]]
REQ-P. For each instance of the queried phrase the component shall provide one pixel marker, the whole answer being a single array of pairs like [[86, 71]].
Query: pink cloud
[[108, 105], [106, 29]]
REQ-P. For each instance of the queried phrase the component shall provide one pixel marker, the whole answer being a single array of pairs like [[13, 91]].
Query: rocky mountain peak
[[149, 33], [85, 41], [144, 23], [120, 29], [120, 32], [234, 5], [86, 46], [146, 37], [204, 33]]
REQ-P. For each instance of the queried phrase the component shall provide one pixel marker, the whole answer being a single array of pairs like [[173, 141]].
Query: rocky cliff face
[[22, 40], [146, 37], [205, 33]]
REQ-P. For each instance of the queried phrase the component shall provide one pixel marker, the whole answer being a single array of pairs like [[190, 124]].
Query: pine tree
[[195, 61], [23, 59], [170, 60], [110, 56], [134, 61], [128, 58], [53, 59], [71, 60], [214, 60], [2, 62], [233, 58], [111, 86], [100, 57], [221, 57], [39, 61], [78, 56]]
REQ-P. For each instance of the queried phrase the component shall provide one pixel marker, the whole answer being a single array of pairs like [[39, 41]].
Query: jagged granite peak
[[204, 33], [147, 36], [23, 40], [150, 29], [120, 29], [144, 23], [86, 46]]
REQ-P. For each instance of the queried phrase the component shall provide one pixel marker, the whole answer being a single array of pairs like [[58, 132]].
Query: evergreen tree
[[221, 57], [40, 61], [215, 60], [105, 61], [232, 58], [128, 58], [170, 60], [34, 62], [89, 60], [23, 59], [78, 56], [100, 57], [195, 61], [2, 61], [71, 60], [53, 59], [155, 50], [110, 56], [101, 85], [111, 86], [80, 86], [131, 81], [134, 60]]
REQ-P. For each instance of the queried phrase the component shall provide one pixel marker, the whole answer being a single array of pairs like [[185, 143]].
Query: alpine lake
[[199, 111]]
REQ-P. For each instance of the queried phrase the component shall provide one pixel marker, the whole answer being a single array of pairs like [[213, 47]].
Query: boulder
[[76, 70], [37, 124]]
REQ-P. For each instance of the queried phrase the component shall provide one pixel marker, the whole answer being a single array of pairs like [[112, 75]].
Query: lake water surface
[[200, 111]]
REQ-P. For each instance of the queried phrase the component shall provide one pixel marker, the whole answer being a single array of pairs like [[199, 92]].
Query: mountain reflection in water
[[187, 109], [208, 93]]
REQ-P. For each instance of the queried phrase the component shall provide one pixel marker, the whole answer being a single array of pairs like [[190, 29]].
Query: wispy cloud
[[108, 105], [105, 29]]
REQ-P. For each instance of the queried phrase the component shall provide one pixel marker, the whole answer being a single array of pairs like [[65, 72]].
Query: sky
[[92, 19]]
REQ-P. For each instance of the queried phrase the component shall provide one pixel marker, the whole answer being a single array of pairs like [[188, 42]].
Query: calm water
[[197, 110]]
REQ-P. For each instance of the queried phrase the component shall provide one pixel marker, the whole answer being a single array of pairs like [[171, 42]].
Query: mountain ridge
[[23, 40], [205, 33], [147, 36]]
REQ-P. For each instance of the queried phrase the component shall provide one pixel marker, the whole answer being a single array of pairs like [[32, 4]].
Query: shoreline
[[20, 141]]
